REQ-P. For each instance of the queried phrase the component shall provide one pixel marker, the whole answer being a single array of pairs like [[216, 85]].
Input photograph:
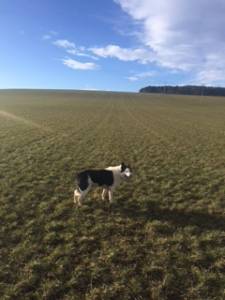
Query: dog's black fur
[[99, 177]]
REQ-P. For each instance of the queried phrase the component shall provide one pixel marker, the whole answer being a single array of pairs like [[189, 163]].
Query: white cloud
[[125, 54], [140, 76], [77, 65], [64, 44], [185, 35]]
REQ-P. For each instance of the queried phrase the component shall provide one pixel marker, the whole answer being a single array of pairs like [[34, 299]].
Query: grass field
[[164, 235]]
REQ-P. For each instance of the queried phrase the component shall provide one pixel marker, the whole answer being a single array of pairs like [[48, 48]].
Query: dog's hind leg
[[110, 193]]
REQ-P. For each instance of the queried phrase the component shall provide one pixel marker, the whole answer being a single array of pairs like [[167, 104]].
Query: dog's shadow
[[176, 216], [152, 210]]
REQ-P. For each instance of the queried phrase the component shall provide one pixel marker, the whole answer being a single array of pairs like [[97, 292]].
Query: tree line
[[185, 90]]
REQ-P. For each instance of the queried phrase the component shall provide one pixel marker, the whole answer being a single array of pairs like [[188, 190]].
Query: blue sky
[[119, 45]]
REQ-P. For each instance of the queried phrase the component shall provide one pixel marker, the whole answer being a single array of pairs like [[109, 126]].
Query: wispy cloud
[[125, 54], [87, 55], [71, 48], [180, 38], [46, 37], [213, 70], [65, 44], [49, 35], [140, 76], [78, 53], [53, 32], [89, 88], [77, 65]]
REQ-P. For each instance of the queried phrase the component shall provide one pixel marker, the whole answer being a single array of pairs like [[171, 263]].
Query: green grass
[[164, 235]]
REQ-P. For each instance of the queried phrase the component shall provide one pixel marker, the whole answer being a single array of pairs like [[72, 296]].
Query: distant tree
[[185, 90]]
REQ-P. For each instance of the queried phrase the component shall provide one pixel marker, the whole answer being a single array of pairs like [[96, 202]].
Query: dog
[[108, 178]]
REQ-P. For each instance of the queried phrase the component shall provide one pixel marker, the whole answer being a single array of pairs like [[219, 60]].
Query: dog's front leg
[[79, 196], [82, 196], [103, 194], [76, 196]]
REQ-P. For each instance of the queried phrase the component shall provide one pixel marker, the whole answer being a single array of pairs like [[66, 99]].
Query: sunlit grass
[[164, 236]]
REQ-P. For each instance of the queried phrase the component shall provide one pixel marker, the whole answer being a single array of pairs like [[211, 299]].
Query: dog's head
[[125, 171]]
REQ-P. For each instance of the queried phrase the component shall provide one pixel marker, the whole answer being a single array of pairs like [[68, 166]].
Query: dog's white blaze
[[116, 174], [127, 172]]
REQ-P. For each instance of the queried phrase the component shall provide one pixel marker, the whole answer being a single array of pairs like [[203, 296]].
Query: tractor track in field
[[49, 135], [182, 141], [87, 140], [25, 121], [141, 124]]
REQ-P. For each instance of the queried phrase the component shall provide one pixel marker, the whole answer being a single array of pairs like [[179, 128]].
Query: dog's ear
[[123, 167]]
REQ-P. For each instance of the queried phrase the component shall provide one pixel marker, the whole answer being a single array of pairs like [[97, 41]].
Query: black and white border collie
[[108, 178]]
